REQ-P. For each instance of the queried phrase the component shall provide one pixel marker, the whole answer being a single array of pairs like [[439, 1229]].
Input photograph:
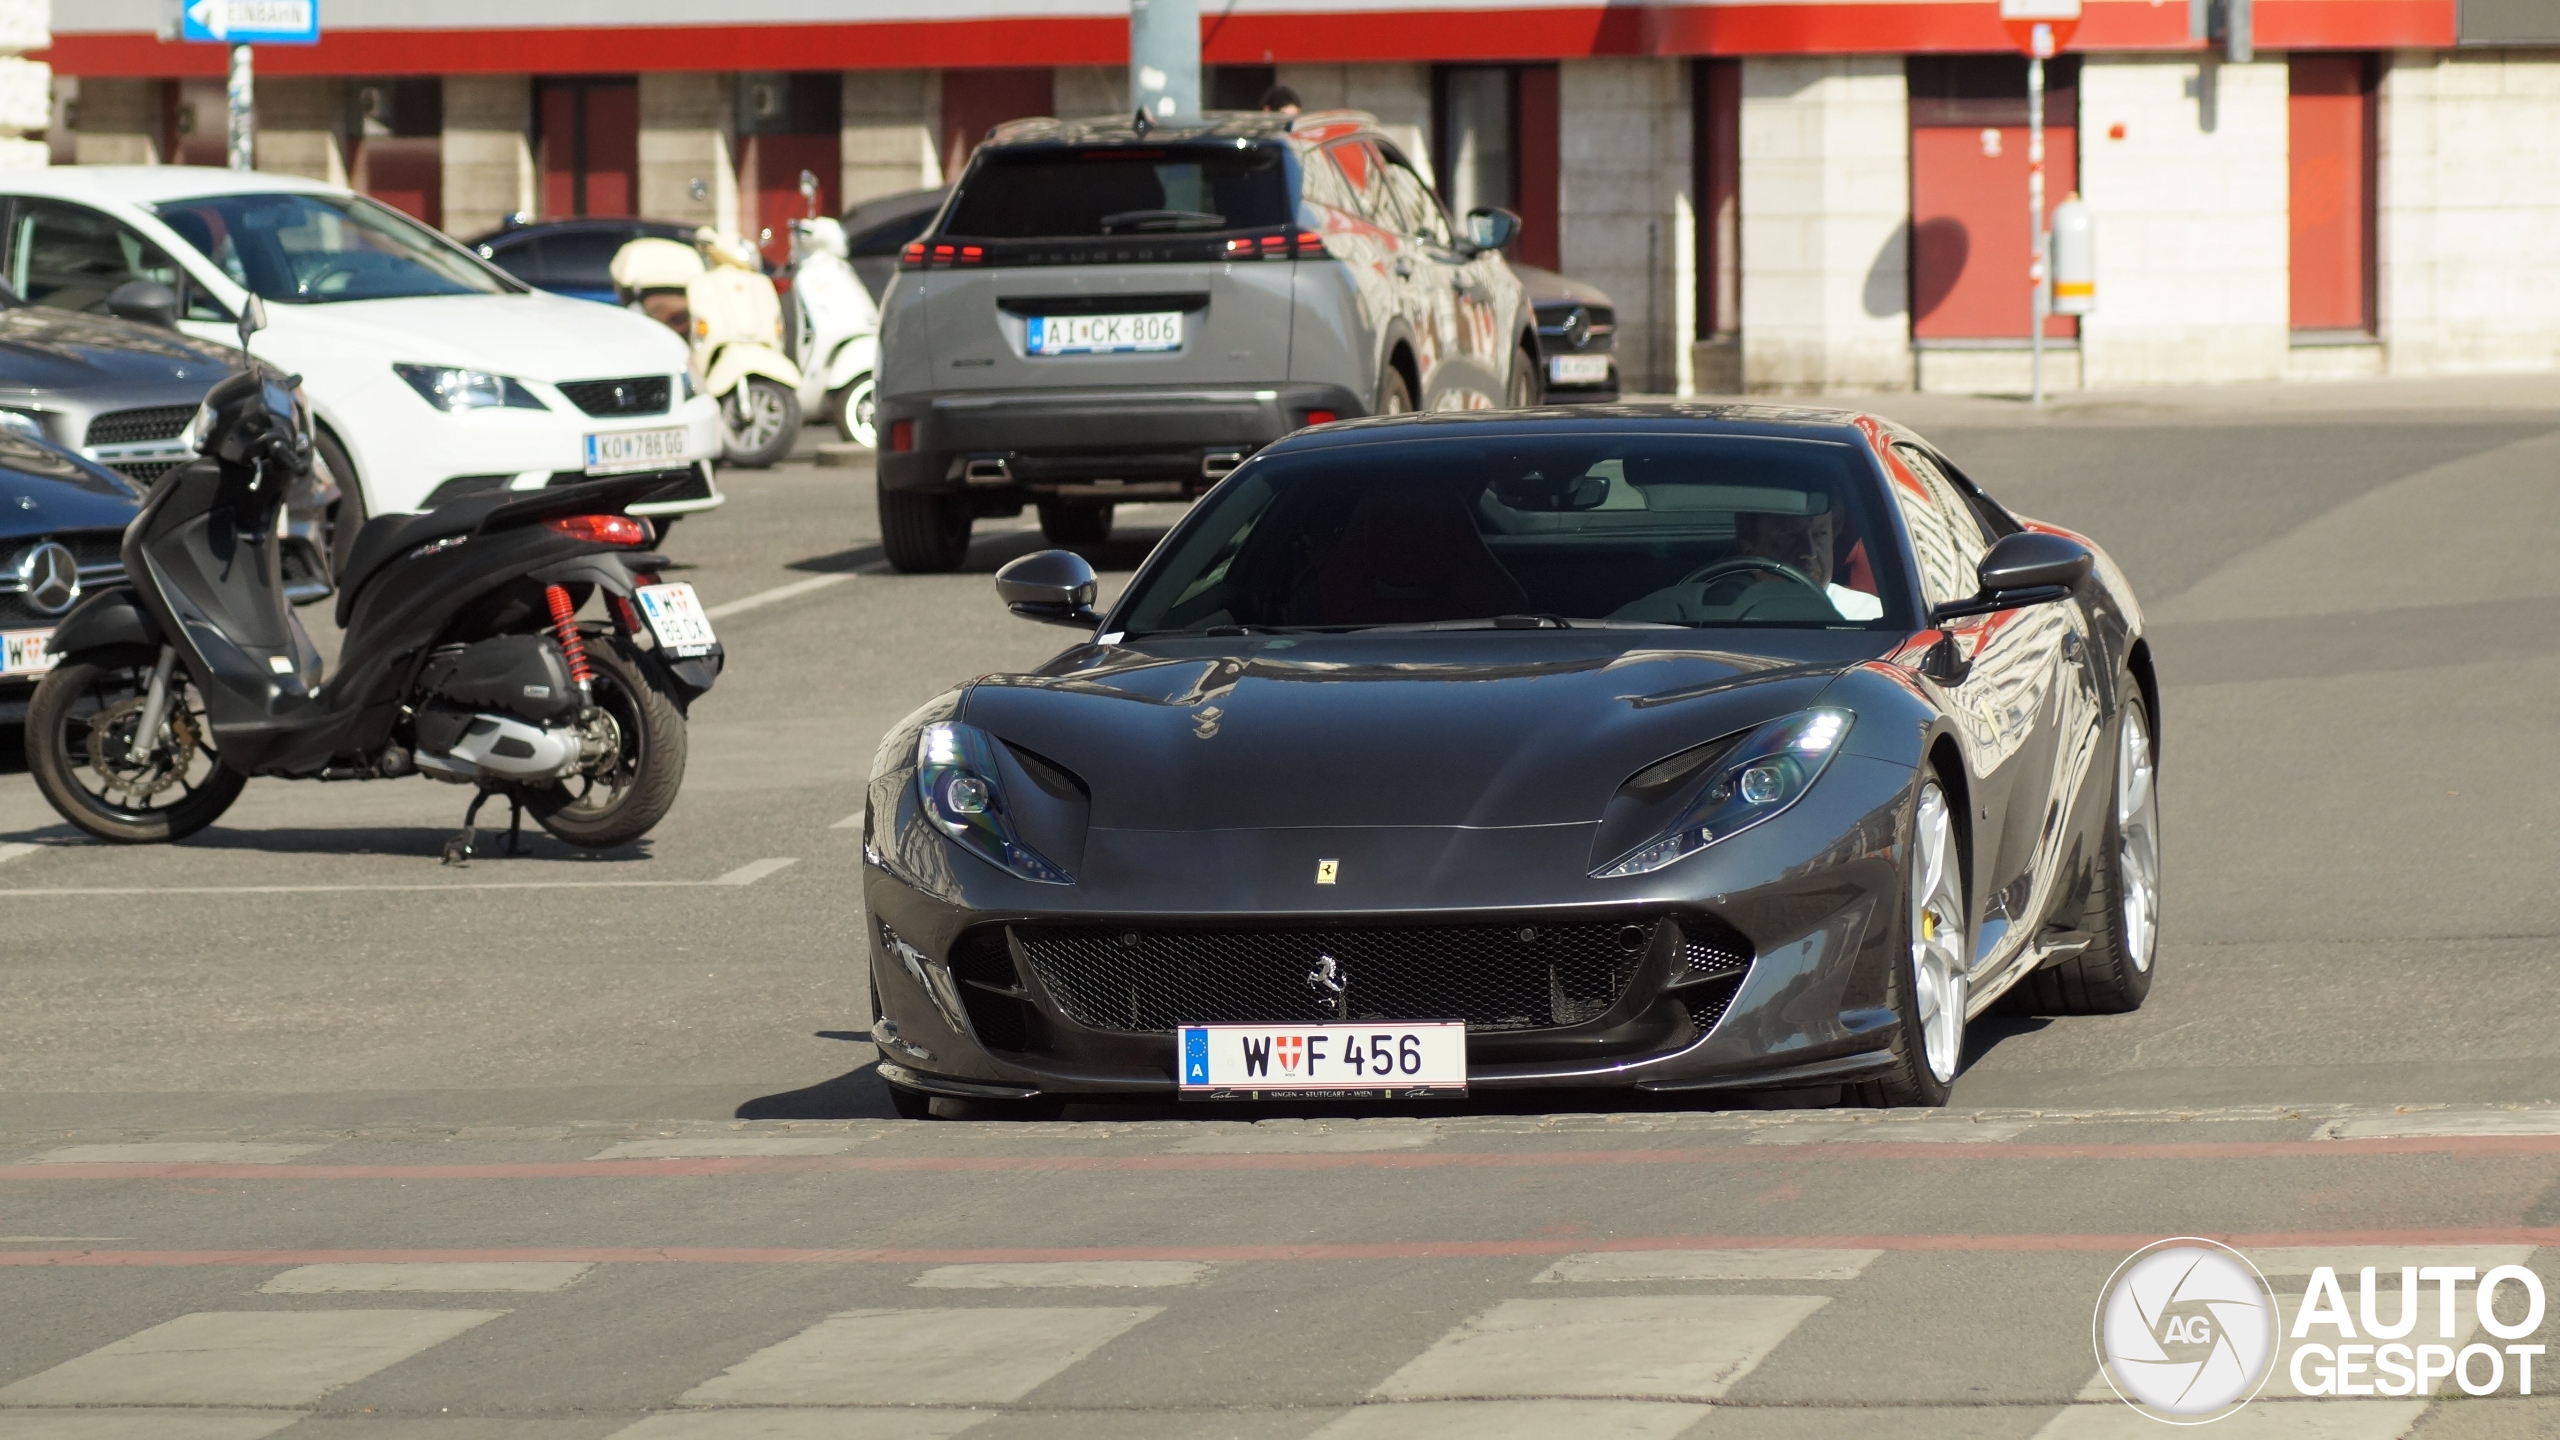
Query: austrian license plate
[[1387, 1061], [1105, 334], [676, 618], [1577, 369], [635, 450], [22, 652]]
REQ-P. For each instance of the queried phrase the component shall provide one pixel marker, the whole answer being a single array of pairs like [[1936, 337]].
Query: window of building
[[1971, 242], [587, 133], [1237, 87], [1496, 136], [789, 124], [2330, 115]]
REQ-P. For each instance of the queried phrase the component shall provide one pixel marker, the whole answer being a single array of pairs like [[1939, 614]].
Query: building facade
[[1804, 197]]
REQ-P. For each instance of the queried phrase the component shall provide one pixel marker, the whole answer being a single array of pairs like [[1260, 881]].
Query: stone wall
[[1826, 225], [1399, 95], [1085, 90], [688, 143], [891, 119], [119, 123], [2469, 211], [301, 127], [488, 155], [1626, 208]]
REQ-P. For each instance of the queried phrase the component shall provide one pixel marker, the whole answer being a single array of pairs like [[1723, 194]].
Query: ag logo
[[2186, 1331]]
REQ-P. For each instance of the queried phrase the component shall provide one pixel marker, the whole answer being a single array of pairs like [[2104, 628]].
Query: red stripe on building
[[1557, 33]]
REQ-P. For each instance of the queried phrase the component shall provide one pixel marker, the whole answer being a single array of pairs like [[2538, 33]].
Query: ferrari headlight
[[1757, 779], [452, 388], [957, 784]]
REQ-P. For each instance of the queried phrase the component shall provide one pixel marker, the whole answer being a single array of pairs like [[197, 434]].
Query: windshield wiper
[[1161, 220]]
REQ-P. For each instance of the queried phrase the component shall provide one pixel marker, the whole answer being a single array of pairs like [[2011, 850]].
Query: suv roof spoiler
[[1212, 126]]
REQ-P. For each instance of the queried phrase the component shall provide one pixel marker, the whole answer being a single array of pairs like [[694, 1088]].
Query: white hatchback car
[[433, 374]]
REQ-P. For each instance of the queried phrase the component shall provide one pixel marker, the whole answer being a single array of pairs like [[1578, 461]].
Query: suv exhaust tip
[[996, 470], [1217, 464]]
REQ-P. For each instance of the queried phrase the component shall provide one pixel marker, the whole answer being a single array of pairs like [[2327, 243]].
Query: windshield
[[309, 249], [1698, 530], [1045, 193]]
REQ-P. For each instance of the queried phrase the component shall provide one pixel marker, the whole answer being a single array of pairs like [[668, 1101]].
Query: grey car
[[118, 391], [1105, 311]]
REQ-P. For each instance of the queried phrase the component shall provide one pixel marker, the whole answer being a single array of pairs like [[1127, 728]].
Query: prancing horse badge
[[1325, 871]]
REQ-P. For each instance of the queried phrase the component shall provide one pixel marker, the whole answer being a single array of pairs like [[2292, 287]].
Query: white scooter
[[835, 329], [715, 294]]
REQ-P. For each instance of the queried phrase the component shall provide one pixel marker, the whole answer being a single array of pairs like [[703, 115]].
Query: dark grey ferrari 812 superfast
[[1684, 748]]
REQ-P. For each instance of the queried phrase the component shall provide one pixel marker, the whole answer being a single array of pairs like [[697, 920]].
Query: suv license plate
[[1387, 1061], [22, 652], [1577, 369], [1105, 334], [676, 618], [635, 450]]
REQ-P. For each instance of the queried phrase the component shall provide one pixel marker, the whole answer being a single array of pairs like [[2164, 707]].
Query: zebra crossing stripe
[[1708, 1265], [1667, 1347], [244, 1357], [2262, 1420], [1064, 1275], [829, 1424], [430, 1278], [145, 1424], [919, 1357], [1513, 1420]]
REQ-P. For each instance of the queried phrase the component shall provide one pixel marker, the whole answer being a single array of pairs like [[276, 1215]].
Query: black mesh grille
[[1518, 976], [125, 427], [1710, 948], [1707, 1003], [980, 956], [985, 966], [143, 472], [638, 395]]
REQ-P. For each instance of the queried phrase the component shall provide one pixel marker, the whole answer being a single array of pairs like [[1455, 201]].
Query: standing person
[[1281, 100]]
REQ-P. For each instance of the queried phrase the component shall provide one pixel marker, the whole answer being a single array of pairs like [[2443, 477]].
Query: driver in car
[[1804, 544]]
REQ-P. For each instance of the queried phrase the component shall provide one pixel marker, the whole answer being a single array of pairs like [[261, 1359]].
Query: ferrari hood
[[1470, 730]]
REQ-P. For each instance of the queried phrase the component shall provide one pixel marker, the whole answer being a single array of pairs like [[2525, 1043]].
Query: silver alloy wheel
[[2138, 838], [753, 414], [1938, 958]]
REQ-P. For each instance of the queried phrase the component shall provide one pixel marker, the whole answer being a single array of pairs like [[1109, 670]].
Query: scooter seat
[[386, 537]]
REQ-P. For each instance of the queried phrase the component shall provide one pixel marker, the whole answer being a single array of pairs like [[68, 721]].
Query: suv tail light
[[922, 256], [602, 529], [912, 257], [1279, 245], [902, 435], [1320, 417]]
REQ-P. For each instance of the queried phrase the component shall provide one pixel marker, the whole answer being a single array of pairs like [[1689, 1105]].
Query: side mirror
[[2028, 568], [144, 302], [1492, 228], [1055, 586], [253, 318]]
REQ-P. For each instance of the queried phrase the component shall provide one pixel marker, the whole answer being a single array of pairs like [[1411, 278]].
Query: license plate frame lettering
[[1374, 1060], [612, 452], [676, 617], [1152, 332]]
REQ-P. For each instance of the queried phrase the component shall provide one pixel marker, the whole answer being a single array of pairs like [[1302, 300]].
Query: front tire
[[81, 751], [923, 533], [1395, 395], [1065, 524], [759, 419], [1926, 989], [1525, 390], [2113, 975], [347, 515], [857, 412], [635, 785]]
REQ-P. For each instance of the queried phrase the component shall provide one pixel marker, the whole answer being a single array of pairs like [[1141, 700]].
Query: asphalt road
[[299, 1130]]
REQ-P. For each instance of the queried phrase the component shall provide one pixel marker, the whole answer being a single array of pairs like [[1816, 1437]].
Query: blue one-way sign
[[253, 22]]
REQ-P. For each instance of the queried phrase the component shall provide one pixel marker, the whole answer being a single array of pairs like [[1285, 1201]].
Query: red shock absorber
[[564, 627]]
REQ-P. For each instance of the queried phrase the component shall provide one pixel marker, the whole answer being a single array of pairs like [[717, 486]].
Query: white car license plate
[[676, 618], [1386, 1060], [1577, 369], [22, 652], [1105, 334], [635, 450]]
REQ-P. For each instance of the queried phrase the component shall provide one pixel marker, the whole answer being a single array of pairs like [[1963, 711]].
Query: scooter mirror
[[253, 318], [809, 191]]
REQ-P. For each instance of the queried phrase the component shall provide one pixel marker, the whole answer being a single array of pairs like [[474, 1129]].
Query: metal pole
[[243, 103], [1164, 58], [2035, 217]]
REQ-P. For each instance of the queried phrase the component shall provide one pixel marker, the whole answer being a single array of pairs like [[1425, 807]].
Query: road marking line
[[1708, 1265], [433, 1277], [747, 874], [1665, 1347], [86, 1424], [1878, 1132], [244, 1357], [1513, 1420], [2265, 1419], [176, 1152], [832, 1423], [850, 822], [16, 848], [2495, 1122], [2481, 1147], [728, 1146], [2349, 1260], [1522, 1248], [1064, 1275], [919, 1357], [776, 595]]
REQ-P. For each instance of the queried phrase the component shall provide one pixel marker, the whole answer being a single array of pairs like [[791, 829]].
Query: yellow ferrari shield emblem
[[1325, 871]]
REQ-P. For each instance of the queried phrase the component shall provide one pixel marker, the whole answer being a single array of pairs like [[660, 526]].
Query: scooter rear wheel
[[80, 750], [626, 800]]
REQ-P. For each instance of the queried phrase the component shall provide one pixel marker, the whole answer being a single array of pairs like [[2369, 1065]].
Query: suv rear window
[[1169, 190]]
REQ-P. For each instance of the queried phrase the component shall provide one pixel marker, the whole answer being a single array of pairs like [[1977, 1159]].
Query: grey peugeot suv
[[1106, 311]]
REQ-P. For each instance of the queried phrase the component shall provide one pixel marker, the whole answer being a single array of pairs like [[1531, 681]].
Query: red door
[[405, 172], [1971, 249], [590, 147], [2331, 116], [973, 101], [776, 162]]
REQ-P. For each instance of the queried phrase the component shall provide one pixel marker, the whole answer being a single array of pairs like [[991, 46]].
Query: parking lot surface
[[301, 1131]]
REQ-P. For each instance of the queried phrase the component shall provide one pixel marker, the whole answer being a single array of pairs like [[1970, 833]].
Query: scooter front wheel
[[760, 419], [855, 407], [631, 787], [91, 767]]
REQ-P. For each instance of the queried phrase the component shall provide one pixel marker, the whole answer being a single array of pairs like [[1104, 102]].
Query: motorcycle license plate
[[1105, 334], [1577, 369], [635, 450], [22, 652], [676, 618], [1391, 1060]]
